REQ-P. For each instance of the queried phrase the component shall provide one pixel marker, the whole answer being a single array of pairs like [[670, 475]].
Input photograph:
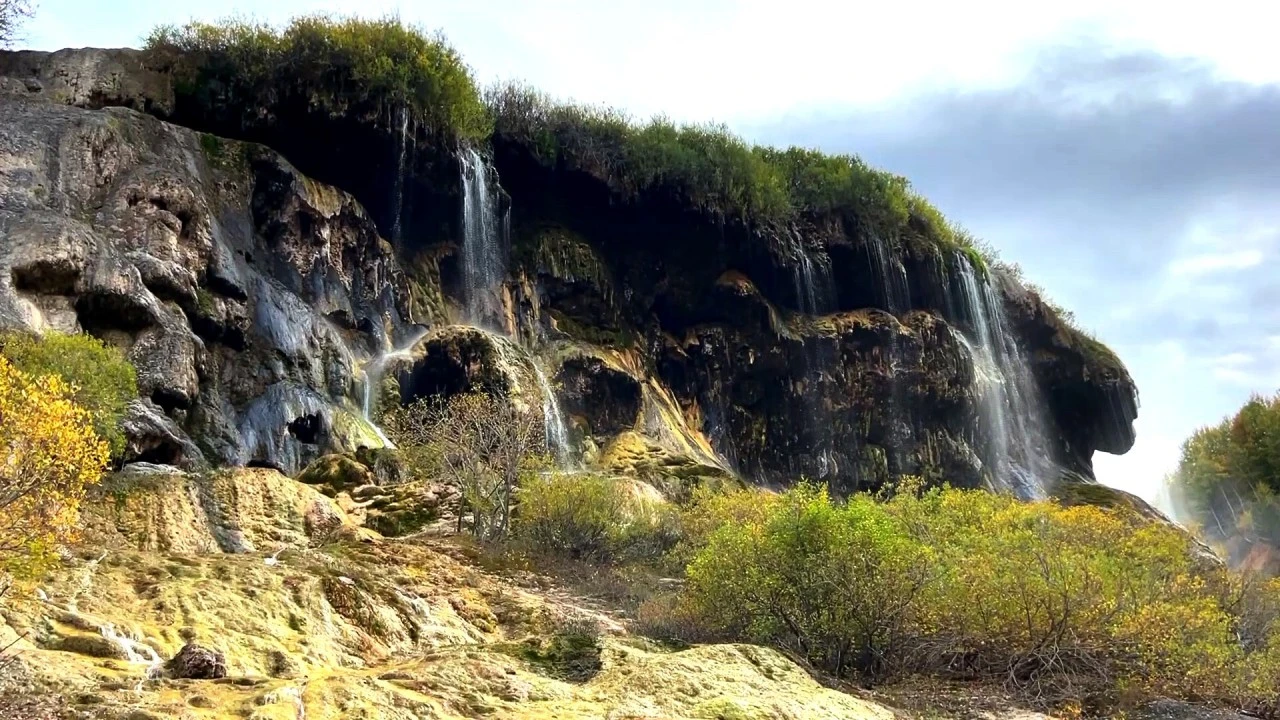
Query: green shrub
[[103, 379], [1063, 603], [592, 518], [338, 64], [836, 583]]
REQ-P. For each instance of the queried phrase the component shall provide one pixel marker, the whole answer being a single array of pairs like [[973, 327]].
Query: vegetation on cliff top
[[341, 65], [348, 62], [384, 67], [708, 168]]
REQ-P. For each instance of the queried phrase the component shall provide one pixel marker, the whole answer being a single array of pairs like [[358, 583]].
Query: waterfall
[[1011, 401], [134, 652], [553, 420], [405, 140], [485, 241], [484, 238], [373, 374], [815, 296], [892, 276], [895, 297]]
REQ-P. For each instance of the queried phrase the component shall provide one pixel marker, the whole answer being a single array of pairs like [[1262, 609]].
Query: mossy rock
[[1071, 492], [336, 473], [572, 656], [91, 645]]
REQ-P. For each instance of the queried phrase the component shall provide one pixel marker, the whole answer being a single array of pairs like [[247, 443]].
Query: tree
[[50, 455], [102, 381], [12, 14], [483, 443]]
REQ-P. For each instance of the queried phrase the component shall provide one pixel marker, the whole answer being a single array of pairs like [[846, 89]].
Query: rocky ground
[[282, 606]]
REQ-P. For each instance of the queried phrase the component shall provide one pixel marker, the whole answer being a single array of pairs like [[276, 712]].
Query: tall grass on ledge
[[339, 64], [714, 171]]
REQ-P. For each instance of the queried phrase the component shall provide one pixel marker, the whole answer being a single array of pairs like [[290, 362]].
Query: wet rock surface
[[251, 297], [244, 293]]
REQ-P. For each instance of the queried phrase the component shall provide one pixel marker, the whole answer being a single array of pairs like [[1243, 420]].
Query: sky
[[1125, 154]]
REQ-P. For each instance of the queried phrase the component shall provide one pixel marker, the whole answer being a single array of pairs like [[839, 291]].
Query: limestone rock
[[162, 509], [197, 663], [375, 492], [90, 77], [244, 293], [250, 295], [153, 437]]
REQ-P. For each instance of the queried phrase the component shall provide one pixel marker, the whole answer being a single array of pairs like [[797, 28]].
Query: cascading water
[[895, 296], [134, 652], [484, 238], [815, 296], [1011, 399], [403, 153], [553, 420], [373, 374]]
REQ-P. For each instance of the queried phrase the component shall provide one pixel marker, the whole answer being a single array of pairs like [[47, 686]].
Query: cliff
[[257, 261]]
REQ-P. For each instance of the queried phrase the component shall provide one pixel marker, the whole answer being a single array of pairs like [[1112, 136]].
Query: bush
[[483, 444], [51, 455], [592, 518], [339, 64], [1060, 603], [836, 583], [100, 379]]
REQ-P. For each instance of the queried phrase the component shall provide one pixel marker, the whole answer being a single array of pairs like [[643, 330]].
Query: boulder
[[197, 663]]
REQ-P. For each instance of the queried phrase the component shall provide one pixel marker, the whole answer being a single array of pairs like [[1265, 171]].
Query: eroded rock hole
[[47, 277], [307, 428], [101, 312]]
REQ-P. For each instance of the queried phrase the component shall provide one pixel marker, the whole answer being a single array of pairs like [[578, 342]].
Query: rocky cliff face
[[253, 297]]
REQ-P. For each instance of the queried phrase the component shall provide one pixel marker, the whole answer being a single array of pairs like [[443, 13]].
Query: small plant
[[593, 518]]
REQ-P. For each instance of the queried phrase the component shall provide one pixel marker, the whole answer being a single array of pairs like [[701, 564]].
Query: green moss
[[567, 256], [426, 299], [205, 302], [212, 146], [572, 655], [336, 473]]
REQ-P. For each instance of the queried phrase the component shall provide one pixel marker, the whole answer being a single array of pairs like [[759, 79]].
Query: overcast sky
[[1127, 157]]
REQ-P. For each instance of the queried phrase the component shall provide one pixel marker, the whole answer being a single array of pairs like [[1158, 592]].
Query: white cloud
[[727, 60], [1211, 263]]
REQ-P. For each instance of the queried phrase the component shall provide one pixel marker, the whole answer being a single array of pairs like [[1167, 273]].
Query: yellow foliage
[[1063, 602], [51, 454]]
